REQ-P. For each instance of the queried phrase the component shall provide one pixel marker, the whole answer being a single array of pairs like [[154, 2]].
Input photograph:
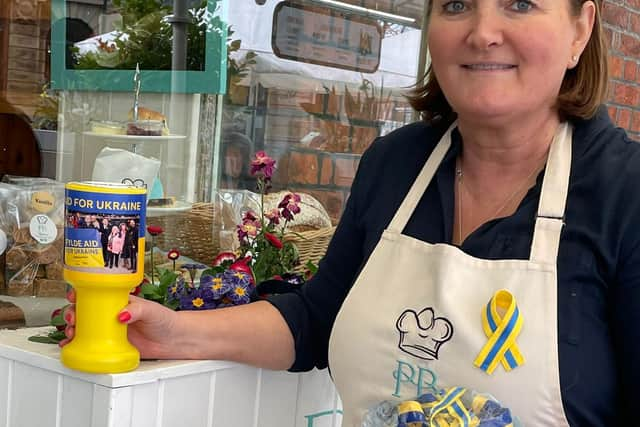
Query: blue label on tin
[[103, 231]]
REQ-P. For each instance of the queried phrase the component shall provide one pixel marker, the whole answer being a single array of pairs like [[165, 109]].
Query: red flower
[[273, 239], [155, 230], [173, 254], [223, 257], [136, 291]]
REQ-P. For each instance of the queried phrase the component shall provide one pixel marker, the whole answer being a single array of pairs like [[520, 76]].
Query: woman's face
[[504, 58]]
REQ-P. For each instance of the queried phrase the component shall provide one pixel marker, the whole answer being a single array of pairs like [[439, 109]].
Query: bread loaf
[[149, 114]]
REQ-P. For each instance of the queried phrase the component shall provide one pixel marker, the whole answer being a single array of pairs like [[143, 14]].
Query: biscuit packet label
[[43, 229], [43, 201]]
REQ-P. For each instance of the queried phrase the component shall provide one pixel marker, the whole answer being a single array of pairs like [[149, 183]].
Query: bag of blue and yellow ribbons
[[454, 407]]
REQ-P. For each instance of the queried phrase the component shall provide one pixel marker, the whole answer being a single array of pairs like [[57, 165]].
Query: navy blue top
[[598, 259]]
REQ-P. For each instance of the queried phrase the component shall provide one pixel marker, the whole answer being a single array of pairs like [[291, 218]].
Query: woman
[[115, 245], [125, 254], [525, 200]]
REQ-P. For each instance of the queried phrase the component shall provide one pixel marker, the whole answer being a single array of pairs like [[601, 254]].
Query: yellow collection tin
[[103, 261]]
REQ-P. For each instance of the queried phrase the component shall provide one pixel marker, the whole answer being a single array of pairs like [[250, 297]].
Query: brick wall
[[622, 29], [23, 50]]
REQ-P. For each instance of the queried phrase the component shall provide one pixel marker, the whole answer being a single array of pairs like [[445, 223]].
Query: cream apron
[[412, 321]]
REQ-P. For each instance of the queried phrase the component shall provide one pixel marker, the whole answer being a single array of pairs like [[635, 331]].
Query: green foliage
[[158, 293], [269, 260], [149, 41], [45, 115], [311, 268], [56, 335], [237, 69], [134, 10]]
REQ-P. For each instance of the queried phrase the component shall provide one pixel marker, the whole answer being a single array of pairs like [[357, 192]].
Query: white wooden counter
[[36, 390]]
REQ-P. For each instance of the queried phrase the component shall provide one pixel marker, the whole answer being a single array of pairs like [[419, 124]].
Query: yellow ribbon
[[453, 405], [502, 322]]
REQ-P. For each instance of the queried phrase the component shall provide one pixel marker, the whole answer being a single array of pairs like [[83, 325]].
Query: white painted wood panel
[[34, 393], [5, 385], [145, 404], [235, 397], [278, 397], [186, 400], [74, 397], [37, 391]]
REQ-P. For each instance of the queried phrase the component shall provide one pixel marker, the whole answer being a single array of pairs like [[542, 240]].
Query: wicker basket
[[311, 245], [196, 234], [193, 232]]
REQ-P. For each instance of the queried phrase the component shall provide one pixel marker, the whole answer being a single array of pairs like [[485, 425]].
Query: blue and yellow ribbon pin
[[502, 322]]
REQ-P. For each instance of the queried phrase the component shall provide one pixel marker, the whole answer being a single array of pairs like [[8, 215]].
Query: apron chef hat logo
[[422, 334]]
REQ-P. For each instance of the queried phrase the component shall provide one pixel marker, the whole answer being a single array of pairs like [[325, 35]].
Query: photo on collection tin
[[101, 243]]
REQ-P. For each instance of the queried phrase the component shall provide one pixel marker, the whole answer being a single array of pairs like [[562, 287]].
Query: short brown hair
[[583, 89]]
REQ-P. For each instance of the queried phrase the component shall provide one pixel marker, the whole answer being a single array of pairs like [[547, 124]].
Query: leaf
[[43, 339], [53, 337], [58, 320], [57, 335], [147, 289], [313, 269], [167, 277]]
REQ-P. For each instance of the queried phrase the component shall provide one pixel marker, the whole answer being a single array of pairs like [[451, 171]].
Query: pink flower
[[273, 216], [262, 164], [273, 239], [290, 205], [248, 229], [249, 216]]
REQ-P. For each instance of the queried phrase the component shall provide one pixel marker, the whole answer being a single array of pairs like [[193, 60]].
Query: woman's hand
[[150, 326]]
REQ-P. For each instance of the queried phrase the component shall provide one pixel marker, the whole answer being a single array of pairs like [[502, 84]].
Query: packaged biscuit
[[31, 225]]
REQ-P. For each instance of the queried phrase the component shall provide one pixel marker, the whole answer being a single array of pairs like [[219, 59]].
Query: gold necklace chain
[[504, 204]]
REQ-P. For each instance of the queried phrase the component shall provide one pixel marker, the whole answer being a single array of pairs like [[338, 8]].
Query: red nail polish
[[67, 317], [124, 317]]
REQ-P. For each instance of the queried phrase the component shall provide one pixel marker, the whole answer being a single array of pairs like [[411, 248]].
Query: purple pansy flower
[[240, 283], [195, 300], [175, 290], [214, 287], [293, 278]]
